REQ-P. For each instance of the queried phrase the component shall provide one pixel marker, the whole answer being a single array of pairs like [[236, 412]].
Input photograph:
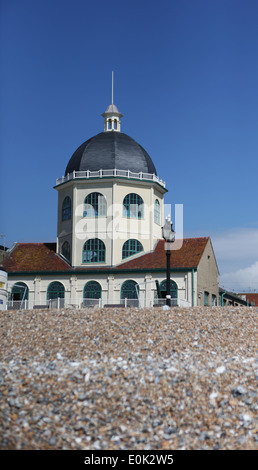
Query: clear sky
[[186, 78]]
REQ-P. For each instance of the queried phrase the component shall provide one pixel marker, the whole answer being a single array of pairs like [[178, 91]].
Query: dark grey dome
[[109, 150]]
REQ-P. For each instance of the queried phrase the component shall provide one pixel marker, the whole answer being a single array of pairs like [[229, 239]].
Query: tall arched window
[[130, 291], [66, 208], [19, 295], [95, 205], [55, 290], [94, 251], [19, 291], [92, 290], [133, 206], [66, 250], [157, 212], [173, 289], [131, 247]]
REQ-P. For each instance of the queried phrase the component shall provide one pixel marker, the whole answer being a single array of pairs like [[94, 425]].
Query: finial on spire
[[112, 115], [112, 87]]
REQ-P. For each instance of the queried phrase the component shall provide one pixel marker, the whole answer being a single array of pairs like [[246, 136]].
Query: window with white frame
[[157, 212], [94, 251], [133, 206], [131, 247], [66, 208], [95, 205]]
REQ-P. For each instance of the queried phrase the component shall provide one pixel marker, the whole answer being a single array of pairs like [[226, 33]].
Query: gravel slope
[[129, 379]]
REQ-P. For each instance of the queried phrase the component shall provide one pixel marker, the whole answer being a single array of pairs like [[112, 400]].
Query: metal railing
[[18, 305], [110, 173], [79, 303]]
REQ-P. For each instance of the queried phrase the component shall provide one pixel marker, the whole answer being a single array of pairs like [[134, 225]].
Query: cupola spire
[[112, 115]]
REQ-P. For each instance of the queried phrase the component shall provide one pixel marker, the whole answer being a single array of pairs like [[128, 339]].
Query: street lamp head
[[167, 230]]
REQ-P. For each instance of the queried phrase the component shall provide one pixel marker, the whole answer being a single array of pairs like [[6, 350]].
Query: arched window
[[66, 208], [66, 250], [130, 290], [133, 206], [109, 124], [92, 290], [95, 205], [55, 290], [173, 289], [94, 251], [115, 124], [131, 247], [19, 291], [157, 212]]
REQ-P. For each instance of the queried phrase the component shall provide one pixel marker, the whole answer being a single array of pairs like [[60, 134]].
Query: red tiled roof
[[39, 257], [34, 257], [188, 256]]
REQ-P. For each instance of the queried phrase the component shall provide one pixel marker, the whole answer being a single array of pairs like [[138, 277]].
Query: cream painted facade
[[111, 284], [114, 229]]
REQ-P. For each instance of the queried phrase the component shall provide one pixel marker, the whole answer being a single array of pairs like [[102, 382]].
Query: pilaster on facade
[[37, 290], [73, 288], [111, 288]]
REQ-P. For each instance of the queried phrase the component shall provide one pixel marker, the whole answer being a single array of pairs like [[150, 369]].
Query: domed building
[[109, 248], [110, 200]]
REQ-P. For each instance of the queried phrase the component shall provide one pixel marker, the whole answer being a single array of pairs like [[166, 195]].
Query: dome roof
[[110, 150]]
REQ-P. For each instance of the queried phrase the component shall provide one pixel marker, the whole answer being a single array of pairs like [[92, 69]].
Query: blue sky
[[186, 75]]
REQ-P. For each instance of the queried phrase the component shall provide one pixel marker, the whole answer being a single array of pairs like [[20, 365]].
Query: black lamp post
[[169, 236]]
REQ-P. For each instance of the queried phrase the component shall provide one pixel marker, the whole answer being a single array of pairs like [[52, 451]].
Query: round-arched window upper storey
[[66, 250], [95, 205], [67, 208], [94, 251], [131, 247], [133, 206], [157, 212]]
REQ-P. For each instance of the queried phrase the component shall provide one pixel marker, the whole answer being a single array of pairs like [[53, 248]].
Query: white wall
[[3, 289], [110, 283]]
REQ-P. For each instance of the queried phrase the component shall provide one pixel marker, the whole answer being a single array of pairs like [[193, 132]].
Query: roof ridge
[[32, 243], [197, 238]]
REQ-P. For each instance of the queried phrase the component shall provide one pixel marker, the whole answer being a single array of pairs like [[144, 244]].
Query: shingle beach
[[129, 379]]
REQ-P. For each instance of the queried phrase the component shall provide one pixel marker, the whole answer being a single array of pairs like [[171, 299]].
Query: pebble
[[239, 390], [161, 378]]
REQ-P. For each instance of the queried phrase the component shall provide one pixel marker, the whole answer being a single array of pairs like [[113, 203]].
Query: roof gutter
[[98, 271]]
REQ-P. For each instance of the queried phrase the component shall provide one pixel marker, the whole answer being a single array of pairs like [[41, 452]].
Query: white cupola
[[112, 119]]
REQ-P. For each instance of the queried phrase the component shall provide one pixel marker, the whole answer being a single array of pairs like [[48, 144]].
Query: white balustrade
[[110, 173]]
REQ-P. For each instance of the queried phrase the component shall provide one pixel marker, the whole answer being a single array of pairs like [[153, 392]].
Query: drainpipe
[[222, 300], [192, 287]]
